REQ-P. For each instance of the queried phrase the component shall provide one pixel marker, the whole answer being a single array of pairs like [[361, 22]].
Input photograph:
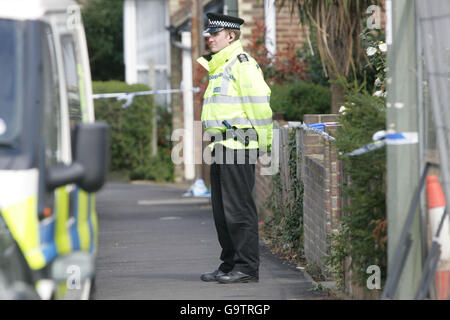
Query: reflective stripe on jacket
[[237, 93]]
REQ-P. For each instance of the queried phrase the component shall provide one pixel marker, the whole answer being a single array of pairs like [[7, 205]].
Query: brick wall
[[175, 5], [321, 202], [319, 170], [321, 174], [287, 28], [250, 11], [314, 210], [334, 178]]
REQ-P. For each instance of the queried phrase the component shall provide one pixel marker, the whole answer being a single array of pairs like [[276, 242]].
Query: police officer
[[237, 114]]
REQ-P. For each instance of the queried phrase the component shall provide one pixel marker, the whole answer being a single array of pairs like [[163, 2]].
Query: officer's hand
[[265, 154]]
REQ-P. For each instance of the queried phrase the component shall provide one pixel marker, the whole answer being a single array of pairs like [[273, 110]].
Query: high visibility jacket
[[237, 93]]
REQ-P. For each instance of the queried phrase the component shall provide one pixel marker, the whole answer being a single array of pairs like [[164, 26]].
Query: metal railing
[[404, 245]]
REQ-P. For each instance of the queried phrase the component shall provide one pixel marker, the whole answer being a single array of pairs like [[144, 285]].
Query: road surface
[[154, 244]]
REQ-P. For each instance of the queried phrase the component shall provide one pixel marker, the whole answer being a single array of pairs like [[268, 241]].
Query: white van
[[53, 156]]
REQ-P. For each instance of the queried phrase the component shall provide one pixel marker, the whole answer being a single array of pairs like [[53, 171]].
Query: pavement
[[154, 244]]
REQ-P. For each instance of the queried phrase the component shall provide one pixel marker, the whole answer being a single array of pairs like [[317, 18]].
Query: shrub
[[131, 133], [376, 50], [295, 77], [363, 225], [103, 23], [285, 66], [362, 232], [298, 98]]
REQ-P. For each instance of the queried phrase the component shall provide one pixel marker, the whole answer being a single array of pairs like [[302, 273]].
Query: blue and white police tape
[[383, 138], [367, 148], [128, 97], [317, 128], [397, 138]]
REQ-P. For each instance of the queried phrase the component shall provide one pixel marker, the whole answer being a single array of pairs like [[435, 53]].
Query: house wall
[[175, 5], [250, 11], [288, 28], [287, 24]]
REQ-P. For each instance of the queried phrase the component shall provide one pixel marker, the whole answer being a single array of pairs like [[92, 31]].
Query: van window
[[11, 53], [72, 80], [52, 114]]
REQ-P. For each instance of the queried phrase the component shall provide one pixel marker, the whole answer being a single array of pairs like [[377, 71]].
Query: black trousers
[[235, 215]]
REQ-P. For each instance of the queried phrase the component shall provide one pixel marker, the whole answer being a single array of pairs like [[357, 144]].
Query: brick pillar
[[333, 173], [312, 144]]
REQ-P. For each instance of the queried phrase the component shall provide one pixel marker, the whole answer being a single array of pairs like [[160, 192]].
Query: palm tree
[[338, 24]]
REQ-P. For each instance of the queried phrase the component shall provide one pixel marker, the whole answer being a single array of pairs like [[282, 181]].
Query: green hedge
[[363, 226], [362, 232], [131, 133], [300, 97]]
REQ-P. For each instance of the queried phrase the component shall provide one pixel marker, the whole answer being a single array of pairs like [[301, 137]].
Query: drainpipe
[[270, 20], [129, 17], [188, 100], [188, 106]]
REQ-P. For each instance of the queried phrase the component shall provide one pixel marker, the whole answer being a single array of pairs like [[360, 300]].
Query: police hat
[[218, 22]]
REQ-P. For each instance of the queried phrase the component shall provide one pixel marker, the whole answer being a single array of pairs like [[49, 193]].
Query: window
[[52, 114], [11, 105], [72, 80]]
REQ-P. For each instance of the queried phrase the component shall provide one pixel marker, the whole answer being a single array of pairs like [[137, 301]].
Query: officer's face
[[219, 40]]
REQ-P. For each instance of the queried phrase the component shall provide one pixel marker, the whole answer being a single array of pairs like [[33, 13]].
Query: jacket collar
[[218, 59]]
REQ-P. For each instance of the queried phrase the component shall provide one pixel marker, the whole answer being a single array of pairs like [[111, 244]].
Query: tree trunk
[[337, 94], [337, 51], [340, 44]]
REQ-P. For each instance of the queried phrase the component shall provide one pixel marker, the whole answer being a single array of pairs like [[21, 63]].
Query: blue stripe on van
[[47, 240], [91, 229]]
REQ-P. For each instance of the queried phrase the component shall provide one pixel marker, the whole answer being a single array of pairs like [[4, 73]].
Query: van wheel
[[18, 290], [92, 293], [15, 275]]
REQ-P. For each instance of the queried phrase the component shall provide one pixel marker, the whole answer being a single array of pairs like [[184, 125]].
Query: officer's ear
[[231, 36]]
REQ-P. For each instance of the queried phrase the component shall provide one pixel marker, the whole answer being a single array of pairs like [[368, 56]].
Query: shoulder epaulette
[[208, 57], [243, 57]]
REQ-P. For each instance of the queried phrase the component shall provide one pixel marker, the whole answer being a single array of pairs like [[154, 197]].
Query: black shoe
[[237, 277], [212, 276]]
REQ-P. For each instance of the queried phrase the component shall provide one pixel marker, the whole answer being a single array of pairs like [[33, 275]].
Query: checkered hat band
[[223, 24]]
